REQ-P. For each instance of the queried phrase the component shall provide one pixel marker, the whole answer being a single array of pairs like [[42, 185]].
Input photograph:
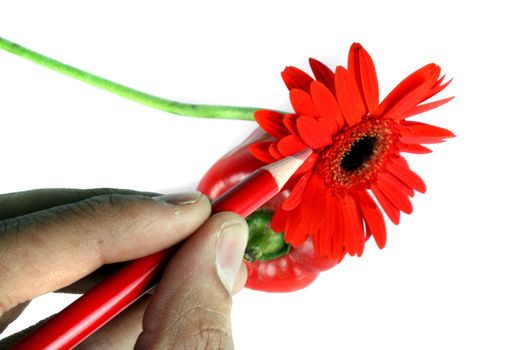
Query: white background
[[451, 274]]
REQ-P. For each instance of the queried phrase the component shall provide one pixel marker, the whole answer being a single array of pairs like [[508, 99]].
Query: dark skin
[[44, 231]]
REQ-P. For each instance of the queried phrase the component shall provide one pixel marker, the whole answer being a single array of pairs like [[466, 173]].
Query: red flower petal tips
[[357, 143]]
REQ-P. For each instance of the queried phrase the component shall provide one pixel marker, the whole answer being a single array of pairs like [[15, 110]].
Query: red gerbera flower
[[357, 144]]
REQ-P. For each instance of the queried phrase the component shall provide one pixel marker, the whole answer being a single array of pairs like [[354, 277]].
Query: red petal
[[290, 121], [401, 160], [296, 231], [306, 219], [329, 239], [302, 103], [349, 96], [368, 233], [320, 244], [426, 107], [279, 220], [410, 92], [391, 211], [289, 145], [419, 140], [297, 194], [260, 151], [416, 132], [354, 238], [323, 74], [410, 83], [411, 100], [374, 218], [274, 152], [308, 164], [271, 122], [403, 173], [438, 87], [312, 133], [349, 239], [294, 78], [399, 184], [335, 227], [330, 125], [365, 199], [413, 148], [313, 205], [324, 237], [326, 105], [394, 194], [367, 72]]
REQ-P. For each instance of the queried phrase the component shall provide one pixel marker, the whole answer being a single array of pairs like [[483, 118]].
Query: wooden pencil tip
[[303, 154], [285, 168]]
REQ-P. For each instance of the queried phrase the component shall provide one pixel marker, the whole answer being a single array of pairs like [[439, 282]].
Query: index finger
[[48, 250], [26, 202]]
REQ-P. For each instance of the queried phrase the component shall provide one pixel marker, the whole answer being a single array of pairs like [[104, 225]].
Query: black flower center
[[360, 151], [357, 155]]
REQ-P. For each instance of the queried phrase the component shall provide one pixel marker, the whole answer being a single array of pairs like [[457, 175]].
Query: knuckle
[[5, 305], [13, 232], [197, 327], [106, 210], [97, 206], [14, 226], [212, 339], [104, 207], [9, 235], [204, 328]]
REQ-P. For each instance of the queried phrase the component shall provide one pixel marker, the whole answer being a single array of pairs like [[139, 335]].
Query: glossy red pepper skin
[[288, 273]]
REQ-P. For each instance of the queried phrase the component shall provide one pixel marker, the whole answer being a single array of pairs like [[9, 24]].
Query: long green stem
[[186, 109]]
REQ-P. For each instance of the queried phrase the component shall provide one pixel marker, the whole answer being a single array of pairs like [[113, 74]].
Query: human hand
[[59, 239]]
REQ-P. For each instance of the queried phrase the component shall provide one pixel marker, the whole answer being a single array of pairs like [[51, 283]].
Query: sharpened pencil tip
[[303, 154], [285, 168]]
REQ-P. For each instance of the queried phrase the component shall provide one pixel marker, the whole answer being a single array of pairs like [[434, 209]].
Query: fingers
[[50, 249], [192, 304], [122, 331], [22, 203]]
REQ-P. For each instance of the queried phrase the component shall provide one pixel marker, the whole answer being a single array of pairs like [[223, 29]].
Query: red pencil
[[106, 300]]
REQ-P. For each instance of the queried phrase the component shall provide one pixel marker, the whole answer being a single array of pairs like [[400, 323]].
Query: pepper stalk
[[263, 242]]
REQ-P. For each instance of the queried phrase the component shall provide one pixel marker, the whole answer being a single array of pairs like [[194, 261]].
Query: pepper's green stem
[[186, 109], [263, 242]]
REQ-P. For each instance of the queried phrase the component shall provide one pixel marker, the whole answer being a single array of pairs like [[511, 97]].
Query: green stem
[[186, 109], [263, 242]]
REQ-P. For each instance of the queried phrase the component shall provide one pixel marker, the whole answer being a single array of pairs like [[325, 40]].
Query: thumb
[[191, 307]]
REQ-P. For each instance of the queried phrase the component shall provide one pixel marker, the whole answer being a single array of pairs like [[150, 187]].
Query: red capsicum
[[273, 265]]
